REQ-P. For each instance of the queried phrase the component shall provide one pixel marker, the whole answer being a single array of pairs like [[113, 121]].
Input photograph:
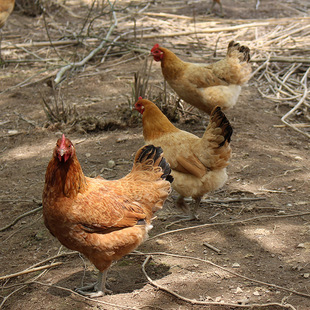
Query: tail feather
[[221, 121], [151, 155], [244, 50]]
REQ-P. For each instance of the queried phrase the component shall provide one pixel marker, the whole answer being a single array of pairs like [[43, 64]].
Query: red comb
[[63, 141], [140, 98], [155, 47]]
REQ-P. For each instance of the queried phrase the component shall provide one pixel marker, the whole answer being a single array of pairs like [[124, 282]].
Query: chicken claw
[[96, 289]]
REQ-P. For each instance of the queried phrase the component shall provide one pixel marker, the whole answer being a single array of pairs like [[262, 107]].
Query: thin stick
[[283, 119], [43, 44], [213, 248], [13, 275], [81, 63], [211, 30], [229, 200], [228, 223], [168, 15], [286, 59], [196, 302], [52, 257], [20, 217], [84, 297], [8, 296], [227, 270]]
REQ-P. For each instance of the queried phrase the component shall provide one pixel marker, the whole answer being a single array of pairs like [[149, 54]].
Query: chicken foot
[[181, 204], [97, 289]]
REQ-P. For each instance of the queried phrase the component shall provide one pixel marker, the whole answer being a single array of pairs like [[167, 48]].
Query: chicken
[[6, 8], [198, 164], [206, 85], [104, 220], [220, 5]]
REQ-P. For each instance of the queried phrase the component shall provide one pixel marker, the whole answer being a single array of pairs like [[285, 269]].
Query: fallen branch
[[283, 119], [52, 257], [213, 248], [84, 297], [210, 30], [81, 63], [229, 200], [20, 217], [43, 44], [197, 302], [228, 223], [13, 275]]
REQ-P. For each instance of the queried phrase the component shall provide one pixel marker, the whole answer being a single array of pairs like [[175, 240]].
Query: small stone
[[301, 246], [87, 155], [160, 241], [218, 299], [119, 140], [256, 293], [236, 265], [238, 290], [39, 236], [12, 132], [306, 275], [243, 301], [281, 212], [111, 164]]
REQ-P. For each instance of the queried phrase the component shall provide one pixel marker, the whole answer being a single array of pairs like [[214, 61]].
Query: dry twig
[[81, 63], [20, 217], [256, 218], [197, 302]]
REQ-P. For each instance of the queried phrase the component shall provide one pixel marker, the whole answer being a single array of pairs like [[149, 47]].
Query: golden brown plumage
[[6, 8], [102, 219], [219, 4], [198, 164], [206, 86]]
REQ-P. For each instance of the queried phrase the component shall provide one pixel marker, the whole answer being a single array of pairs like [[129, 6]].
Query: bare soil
[[264, 240]]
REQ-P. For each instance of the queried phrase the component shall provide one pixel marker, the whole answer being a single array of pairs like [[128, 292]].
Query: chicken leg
[[97, 289], [191, 213]]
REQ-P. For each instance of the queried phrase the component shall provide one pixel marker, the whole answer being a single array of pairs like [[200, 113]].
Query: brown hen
[[198, 164], [206, 86], [104, 220]]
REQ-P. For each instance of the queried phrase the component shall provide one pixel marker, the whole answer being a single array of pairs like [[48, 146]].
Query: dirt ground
[[265, 240]]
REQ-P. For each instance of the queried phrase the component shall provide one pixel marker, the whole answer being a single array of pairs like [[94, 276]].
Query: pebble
[[243, 301], [301, 246], [160, 242], [119, 140], [236, 265], [306, 275], [256, 293], [111, 164], [87, 155], [238, 290]]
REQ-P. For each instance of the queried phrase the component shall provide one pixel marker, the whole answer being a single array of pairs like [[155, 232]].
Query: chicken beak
[[63, 154]]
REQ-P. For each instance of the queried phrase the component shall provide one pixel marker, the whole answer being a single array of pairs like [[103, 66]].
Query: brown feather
[[103, 219]]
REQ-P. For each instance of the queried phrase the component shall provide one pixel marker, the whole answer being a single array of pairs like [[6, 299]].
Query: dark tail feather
[[155, 154], [241, 48], [218, 117]]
